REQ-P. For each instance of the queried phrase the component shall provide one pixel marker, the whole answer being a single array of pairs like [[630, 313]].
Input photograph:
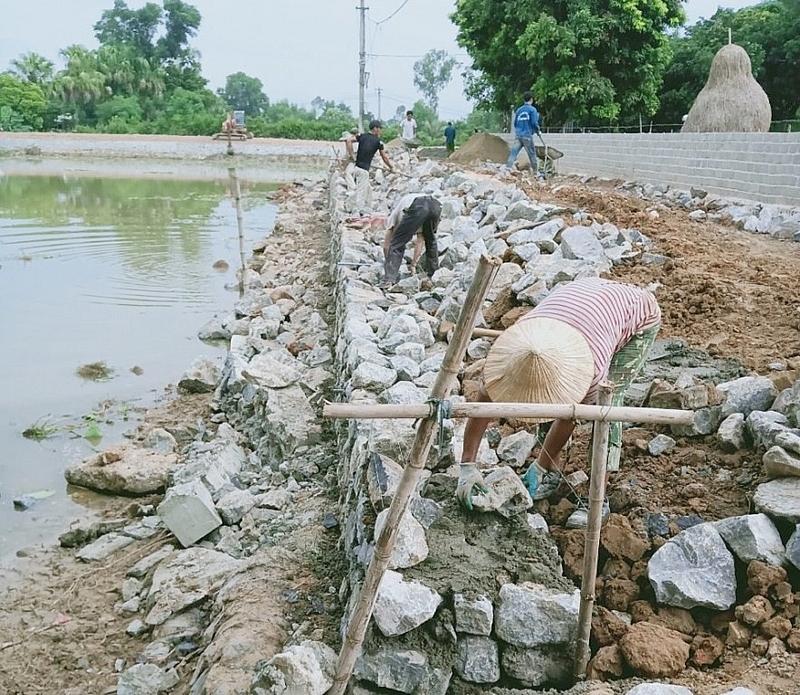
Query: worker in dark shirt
[[368, 144], [413, 214]]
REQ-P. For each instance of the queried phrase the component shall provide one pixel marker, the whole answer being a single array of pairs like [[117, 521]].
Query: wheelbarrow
[[548, 157]]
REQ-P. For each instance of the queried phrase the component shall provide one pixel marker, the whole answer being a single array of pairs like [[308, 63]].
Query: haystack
[[731, 101], [482, 147]]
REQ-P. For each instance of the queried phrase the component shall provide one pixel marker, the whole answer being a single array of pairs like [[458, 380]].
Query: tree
[[81, 82], [23, 103], [587, 60], [245, 93], [134, 28], [34, 68], [431, 75]]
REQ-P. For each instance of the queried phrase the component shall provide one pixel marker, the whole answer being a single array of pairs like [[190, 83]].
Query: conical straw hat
[[539, 360]]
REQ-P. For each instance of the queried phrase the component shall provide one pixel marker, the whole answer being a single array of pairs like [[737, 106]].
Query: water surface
[[118, 271]]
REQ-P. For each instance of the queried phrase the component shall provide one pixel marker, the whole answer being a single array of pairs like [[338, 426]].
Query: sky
[[299, 49]]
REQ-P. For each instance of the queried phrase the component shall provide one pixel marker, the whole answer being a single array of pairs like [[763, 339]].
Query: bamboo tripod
[[429, 415]]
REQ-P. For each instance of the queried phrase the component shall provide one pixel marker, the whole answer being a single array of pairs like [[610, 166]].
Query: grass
[[95, 371], [39, 430]]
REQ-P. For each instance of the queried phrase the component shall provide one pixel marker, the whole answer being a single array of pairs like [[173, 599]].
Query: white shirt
[[408, 129], [400, 207]]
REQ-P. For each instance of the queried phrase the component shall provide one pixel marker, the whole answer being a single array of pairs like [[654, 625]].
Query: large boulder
[[124, 471]]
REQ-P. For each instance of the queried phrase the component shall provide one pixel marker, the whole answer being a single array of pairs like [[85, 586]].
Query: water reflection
[[112, 270]]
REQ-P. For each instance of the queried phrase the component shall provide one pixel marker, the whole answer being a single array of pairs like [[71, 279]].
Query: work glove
[[469, 479]]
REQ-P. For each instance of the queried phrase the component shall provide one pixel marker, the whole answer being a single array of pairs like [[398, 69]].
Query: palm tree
[[33, 67], [81, 82]]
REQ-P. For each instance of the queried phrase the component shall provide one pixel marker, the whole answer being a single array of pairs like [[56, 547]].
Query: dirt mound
[[480, 148]]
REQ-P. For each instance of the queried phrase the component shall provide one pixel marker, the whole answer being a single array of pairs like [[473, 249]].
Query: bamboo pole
[[485, 333], [597, 493], [237, 198], [354, 637], [560, 411]]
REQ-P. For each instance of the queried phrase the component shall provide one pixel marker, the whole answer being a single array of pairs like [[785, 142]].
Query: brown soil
[[729, 292], [481, 147]]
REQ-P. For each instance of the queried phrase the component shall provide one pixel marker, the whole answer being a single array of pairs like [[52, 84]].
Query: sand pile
[[480, 148]]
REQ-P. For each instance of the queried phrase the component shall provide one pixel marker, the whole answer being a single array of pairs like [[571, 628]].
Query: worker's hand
[[469, 479]]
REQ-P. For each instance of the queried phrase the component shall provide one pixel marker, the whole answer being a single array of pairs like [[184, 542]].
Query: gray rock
[[373, 377], [146, 679], [515, 448], [202, 376], [401, 671], [534, 293], [534, 615], [765, 426], [527, 252], [730, 434], [479, 348], [410, 546], [660, 444], [363, 350], [535, 667], [789, 441], [103, 547], [658, 689], [406, 368], [779, 463], [753, 537], [788, 404], [141, 568], [188, 511], [466, 231], [477, 659], [215, 329], [507, 275], [124, 471], [160, 441], [537, 522], [779, 498], [793, 548], [474, 616], [402, 606], [426, 511], [746, 394], [187, 578], [523, 210], [739, 691], [136, 628], [403, 392], [694, 569], [267, 371], [301, 669], [704, 422], [579, 243], [507, 494], [234, 505], [414, 351], [544, 232]]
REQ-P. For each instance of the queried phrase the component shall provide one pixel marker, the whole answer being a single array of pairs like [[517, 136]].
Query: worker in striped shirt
[[583, 333]]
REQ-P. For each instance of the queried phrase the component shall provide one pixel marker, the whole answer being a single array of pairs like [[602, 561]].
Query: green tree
[[23, 103], [589, 61], [80, 84], [432, 74], [245, 93], [122, 26], [34, 68]]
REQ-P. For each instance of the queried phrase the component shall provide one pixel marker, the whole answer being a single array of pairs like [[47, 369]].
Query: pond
[[116, 271]]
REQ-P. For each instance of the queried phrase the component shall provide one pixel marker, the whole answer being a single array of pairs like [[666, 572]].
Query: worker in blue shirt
[[526, 125]]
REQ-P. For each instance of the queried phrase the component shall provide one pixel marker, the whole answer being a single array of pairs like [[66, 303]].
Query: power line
[[405, 2]]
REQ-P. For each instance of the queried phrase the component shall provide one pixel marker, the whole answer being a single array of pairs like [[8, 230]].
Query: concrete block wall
[[762, 167]]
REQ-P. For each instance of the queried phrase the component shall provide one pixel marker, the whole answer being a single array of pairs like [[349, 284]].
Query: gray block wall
[[762, 167]]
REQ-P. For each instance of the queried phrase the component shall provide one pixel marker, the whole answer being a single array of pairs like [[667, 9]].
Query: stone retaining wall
[[763, 167]]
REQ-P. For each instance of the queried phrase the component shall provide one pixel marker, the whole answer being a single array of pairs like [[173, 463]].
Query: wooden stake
[[354, 637], [237, 197], [551, 411], [597, 493]]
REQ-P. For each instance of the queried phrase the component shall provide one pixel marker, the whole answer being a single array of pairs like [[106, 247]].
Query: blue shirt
[[450, 133], [526, 121]]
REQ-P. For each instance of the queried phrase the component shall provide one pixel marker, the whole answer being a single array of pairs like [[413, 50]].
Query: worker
[[450, 137], [368, 144], [583, 333], [526, 125], [412, 214], [229, 124]]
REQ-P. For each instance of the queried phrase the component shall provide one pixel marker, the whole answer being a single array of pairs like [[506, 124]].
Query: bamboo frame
[[553, 411], [597, 493], [357, 627], [237, 197]]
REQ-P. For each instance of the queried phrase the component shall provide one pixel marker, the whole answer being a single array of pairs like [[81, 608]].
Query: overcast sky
[[299, 49]]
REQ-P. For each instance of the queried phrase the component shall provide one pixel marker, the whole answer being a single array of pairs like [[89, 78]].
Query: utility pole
[[379, 103], [362, 64]]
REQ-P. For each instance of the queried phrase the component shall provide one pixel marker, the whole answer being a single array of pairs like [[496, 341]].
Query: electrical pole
[[379, 103], [362, 64]]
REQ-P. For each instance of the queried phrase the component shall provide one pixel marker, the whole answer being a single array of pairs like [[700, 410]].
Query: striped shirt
[[607, 313]]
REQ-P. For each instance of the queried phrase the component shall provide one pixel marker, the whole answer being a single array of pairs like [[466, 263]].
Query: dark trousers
[[424, 212]]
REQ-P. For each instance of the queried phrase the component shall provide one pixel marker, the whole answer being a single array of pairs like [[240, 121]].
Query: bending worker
[[583, 333], [414, 213]]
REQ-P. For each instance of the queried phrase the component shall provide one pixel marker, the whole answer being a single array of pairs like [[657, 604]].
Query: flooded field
[[116, 271]]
